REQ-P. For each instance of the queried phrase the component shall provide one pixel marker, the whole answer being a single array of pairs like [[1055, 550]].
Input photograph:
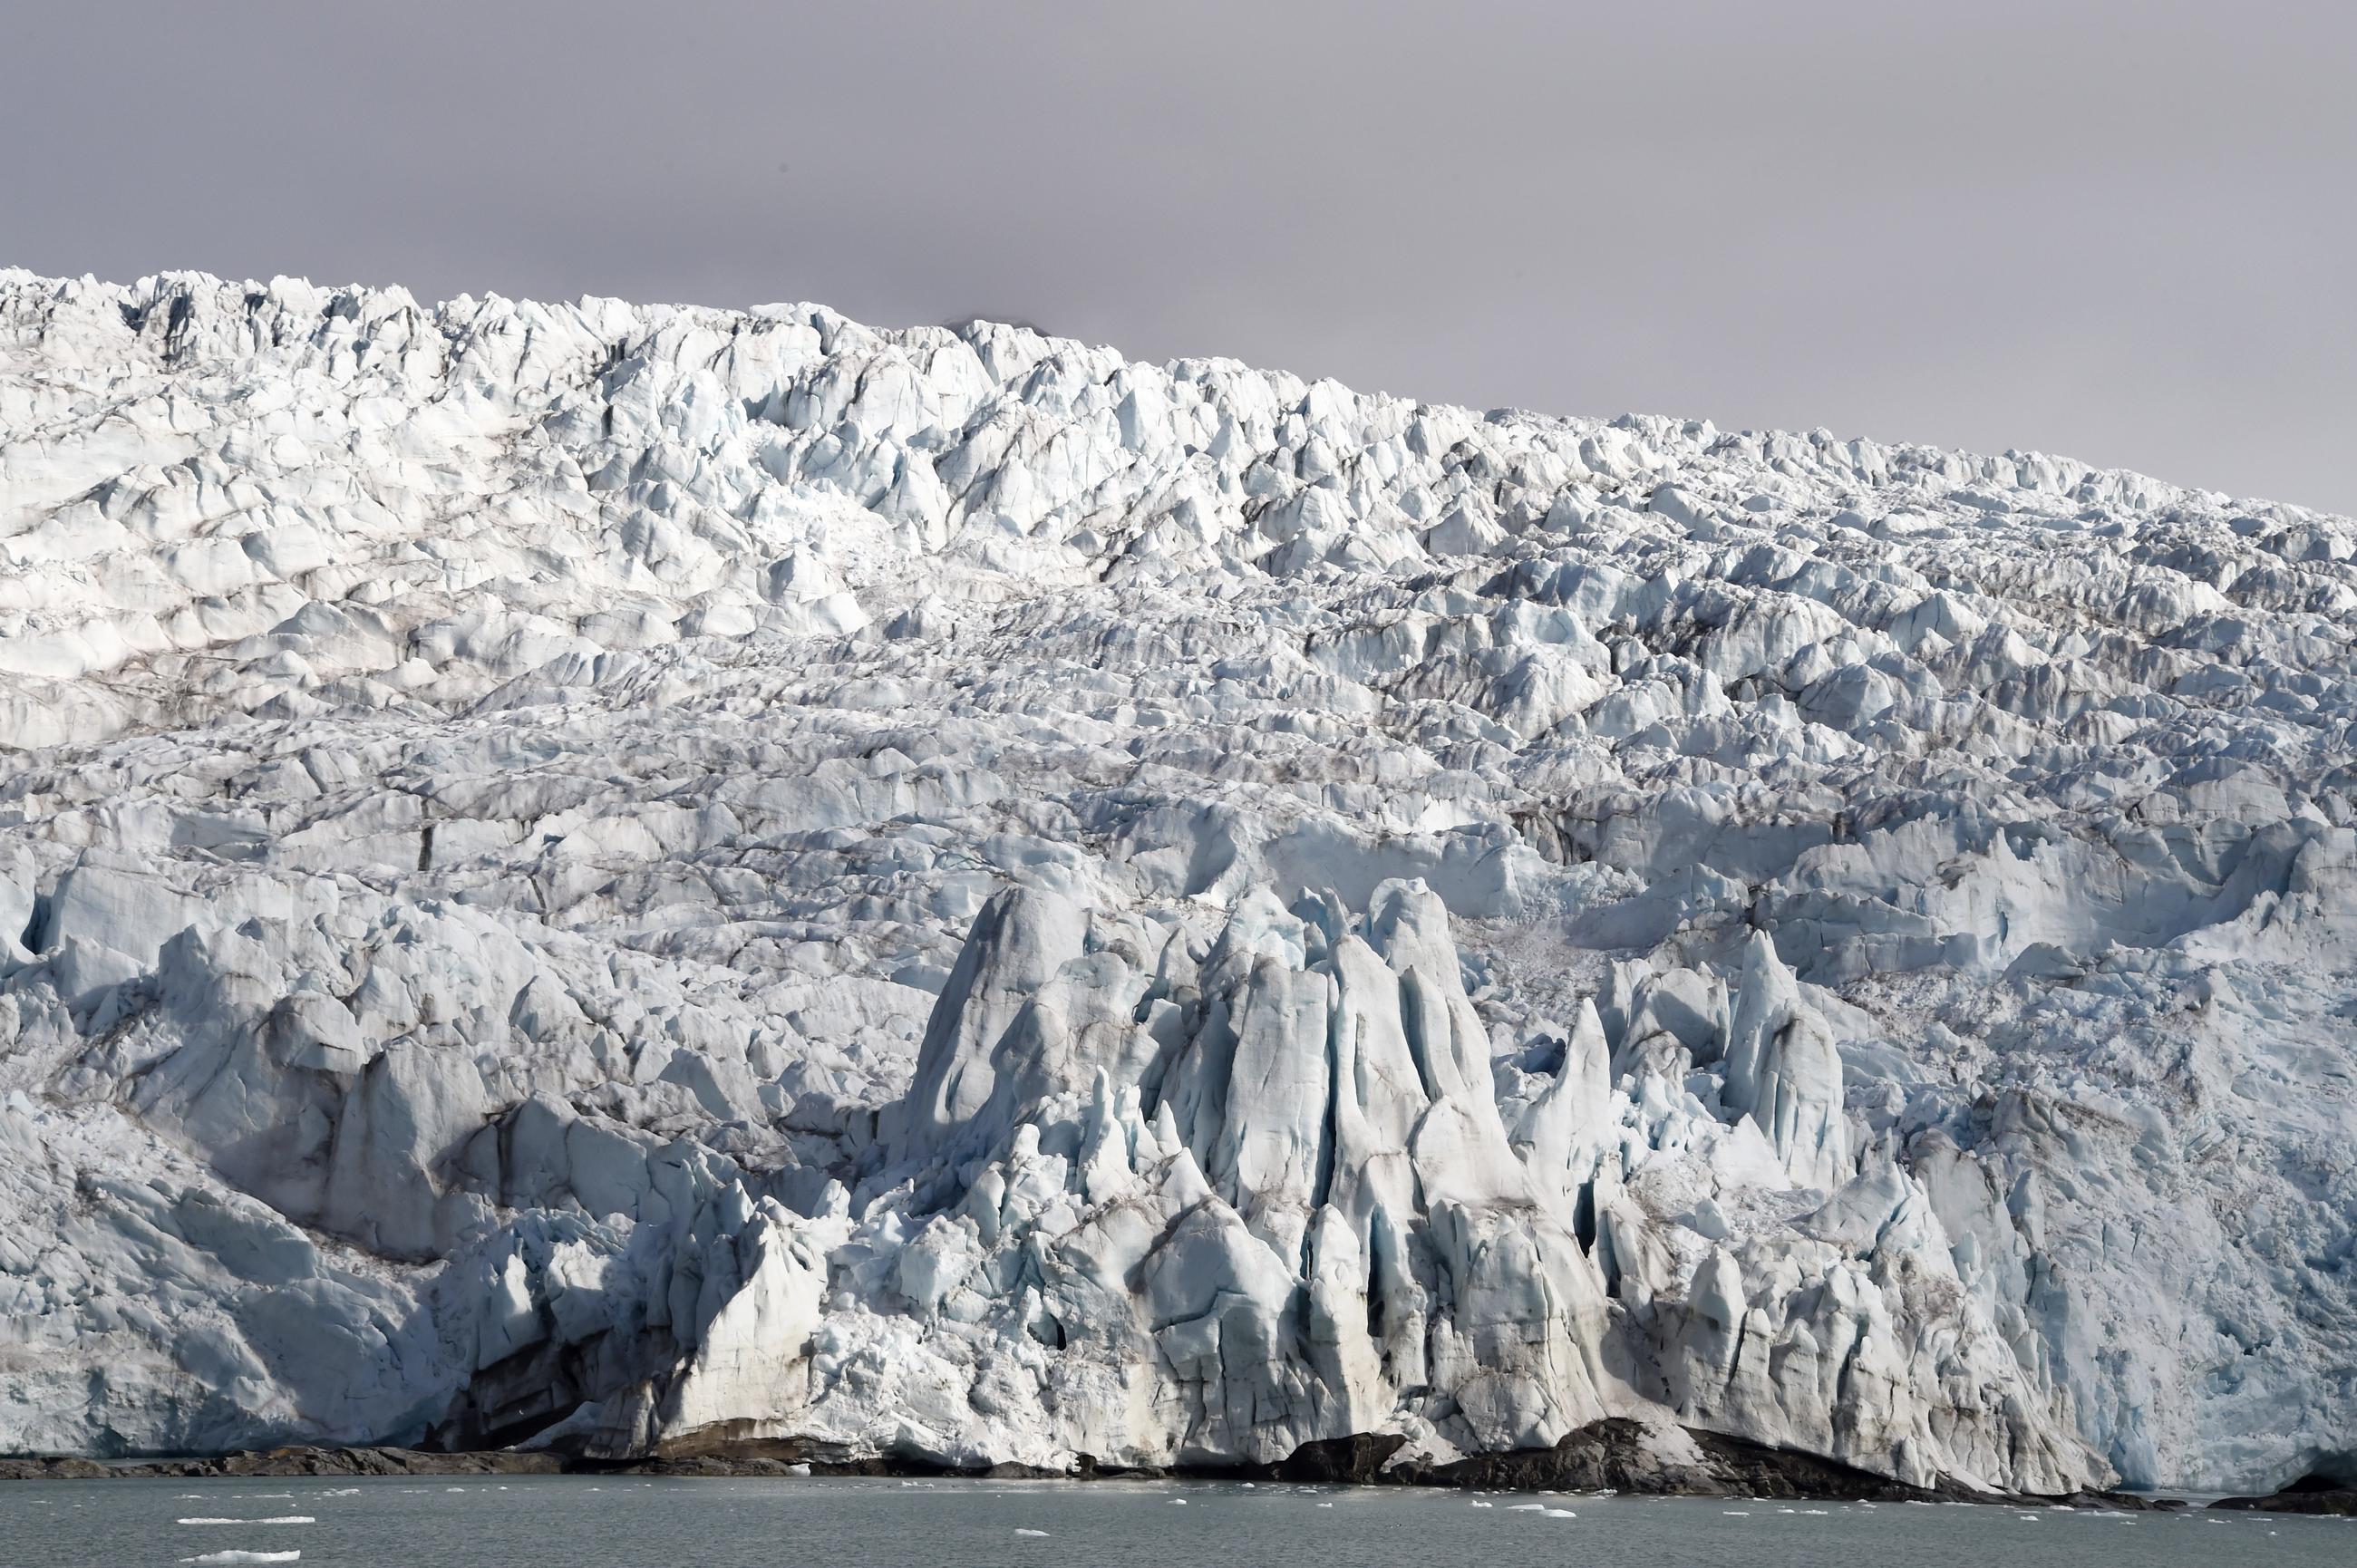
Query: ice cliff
[[644, 879]]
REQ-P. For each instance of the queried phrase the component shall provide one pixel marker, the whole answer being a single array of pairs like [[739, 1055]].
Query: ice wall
[[630, 876]]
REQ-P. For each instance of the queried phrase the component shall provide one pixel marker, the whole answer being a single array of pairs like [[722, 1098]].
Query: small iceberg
[[244, 1557]]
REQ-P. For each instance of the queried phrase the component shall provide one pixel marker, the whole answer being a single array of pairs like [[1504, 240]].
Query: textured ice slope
[[645, 878]]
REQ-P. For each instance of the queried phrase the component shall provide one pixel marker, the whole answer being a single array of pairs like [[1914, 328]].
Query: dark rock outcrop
[[2309, 1493]]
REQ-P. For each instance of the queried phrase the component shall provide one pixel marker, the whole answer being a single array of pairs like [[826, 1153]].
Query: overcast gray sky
[[2123, 231]]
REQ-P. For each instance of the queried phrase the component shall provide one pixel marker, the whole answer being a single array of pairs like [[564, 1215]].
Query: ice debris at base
[[637, 878]]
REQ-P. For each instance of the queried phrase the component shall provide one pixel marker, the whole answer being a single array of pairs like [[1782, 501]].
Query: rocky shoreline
[[1610, 1456], [2308, 1495]]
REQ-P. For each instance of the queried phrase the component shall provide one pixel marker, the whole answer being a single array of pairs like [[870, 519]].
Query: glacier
[[647, 880]]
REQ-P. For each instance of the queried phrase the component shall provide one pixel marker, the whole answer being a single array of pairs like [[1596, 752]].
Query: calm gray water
[[621, 1522]]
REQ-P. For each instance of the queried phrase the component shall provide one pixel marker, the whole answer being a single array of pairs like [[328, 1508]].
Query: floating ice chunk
[[279, 1519], [236, 1556], [1037, 1532]]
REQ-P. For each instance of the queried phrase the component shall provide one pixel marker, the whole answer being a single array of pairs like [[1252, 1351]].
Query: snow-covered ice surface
[[647, 878]]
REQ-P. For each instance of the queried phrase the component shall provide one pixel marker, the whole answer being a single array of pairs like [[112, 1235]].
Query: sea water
[[621, 1522]]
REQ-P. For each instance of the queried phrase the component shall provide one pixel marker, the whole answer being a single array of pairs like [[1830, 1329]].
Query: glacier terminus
[[640, 881]]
